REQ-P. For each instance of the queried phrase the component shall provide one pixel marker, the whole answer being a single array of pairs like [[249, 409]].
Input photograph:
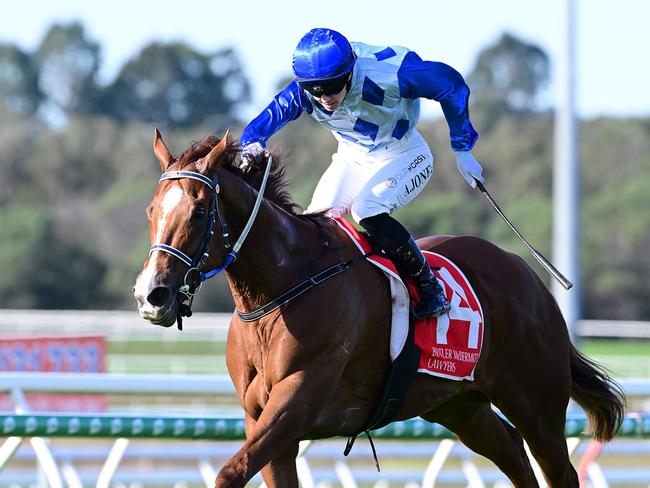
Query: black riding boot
[[410, 259], [402, 249]]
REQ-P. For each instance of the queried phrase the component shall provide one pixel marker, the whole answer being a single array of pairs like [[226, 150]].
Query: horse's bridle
[[200, 259]]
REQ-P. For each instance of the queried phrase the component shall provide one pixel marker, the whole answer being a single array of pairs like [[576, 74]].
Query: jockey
[[368, 96]]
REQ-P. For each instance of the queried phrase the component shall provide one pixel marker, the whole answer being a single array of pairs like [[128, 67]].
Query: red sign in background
[[56, 355]]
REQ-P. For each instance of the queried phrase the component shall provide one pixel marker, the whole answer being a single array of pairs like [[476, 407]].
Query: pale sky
[[613, 39]]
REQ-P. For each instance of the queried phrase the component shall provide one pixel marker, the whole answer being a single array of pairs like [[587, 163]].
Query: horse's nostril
[[159, 296]]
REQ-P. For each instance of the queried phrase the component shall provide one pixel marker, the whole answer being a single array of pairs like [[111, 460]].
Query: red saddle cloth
[[450, 345]]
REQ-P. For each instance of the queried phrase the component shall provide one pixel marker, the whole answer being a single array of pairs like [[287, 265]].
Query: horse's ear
[[160, 150], [217, 152]]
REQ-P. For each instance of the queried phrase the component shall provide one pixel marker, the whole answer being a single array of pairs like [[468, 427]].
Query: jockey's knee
[[334, 212], [363, 209], [387, 231]]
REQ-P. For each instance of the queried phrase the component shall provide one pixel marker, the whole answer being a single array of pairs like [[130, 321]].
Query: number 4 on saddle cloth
[[449, 345]]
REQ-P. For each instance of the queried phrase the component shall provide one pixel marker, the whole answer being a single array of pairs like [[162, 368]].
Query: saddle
[[448, 346]]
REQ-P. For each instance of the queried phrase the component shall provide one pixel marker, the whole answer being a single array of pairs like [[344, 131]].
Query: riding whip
[[536, 254]]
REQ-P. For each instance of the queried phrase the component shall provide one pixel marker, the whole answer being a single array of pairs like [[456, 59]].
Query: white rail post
[[112, 462], [345, 475], [71, 477], [49, 467], [473, 475], [437, 461], [8, 449], [207, 473]]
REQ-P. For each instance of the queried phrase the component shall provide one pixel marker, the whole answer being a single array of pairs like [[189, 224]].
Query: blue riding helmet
[[321, 55]]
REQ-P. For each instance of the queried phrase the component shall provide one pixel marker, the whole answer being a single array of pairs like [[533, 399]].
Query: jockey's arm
[[286, 106], [440, 82]]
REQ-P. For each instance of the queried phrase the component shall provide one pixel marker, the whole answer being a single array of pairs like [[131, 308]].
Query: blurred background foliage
[[77, 170]]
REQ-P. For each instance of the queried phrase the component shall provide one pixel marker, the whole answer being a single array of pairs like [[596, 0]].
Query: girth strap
[[350, 443]]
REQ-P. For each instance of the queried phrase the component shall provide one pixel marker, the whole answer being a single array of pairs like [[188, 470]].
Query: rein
[[299, 289], [200, 259]]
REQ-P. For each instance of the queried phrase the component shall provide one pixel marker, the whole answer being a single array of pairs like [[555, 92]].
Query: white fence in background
[[123, 325], [171, 384], [321, 466], [119, 326]]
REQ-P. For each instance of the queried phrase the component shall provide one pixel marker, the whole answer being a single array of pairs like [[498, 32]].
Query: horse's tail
[[601, 397]]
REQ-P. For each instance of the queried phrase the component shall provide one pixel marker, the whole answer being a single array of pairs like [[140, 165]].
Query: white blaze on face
[[145, 282]]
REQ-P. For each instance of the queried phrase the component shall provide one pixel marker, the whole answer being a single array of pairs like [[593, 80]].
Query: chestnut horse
[[315, 367]]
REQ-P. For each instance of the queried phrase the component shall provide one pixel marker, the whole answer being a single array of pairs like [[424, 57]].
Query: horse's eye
[[198, 213]]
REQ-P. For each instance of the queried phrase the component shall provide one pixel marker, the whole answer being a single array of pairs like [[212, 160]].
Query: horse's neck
[[279, 248]]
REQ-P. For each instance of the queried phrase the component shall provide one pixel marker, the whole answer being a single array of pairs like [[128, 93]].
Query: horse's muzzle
[[159, 307], [160, 296], [162, 316]]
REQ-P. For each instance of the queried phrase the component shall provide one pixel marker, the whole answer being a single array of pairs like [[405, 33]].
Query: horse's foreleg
[[273, 438], [281, 472]]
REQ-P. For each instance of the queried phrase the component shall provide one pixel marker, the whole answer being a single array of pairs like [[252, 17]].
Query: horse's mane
[[276, 186]]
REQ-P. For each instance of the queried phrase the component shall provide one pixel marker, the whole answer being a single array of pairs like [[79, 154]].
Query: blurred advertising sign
[[85, 354]]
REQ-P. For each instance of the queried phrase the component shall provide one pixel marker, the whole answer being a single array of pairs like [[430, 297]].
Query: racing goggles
[[327, 87]]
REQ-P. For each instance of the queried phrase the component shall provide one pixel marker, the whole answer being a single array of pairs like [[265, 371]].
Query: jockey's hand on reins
[[250, 165], [253, 157]]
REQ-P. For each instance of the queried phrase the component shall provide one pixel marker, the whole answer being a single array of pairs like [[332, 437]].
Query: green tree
[[68, 62], [40, 268], [177, 86], [16, 144], [64, 166], [19, 89], [508, 77]]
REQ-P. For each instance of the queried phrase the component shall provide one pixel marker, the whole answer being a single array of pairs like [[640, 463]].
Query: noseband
[[200, 259]]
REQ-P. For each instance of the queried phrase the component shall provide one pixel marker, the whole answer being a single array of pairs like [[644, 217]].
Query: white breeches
[[367, 184]]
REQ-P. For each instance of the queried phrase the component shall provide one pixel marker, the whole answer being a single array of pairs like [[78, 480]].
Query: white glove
[[469, 167], [249, 154]]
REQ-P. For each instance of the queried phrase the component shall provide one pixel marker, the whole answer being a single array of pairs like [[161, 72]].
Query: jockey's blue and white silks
[[382, 104]]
